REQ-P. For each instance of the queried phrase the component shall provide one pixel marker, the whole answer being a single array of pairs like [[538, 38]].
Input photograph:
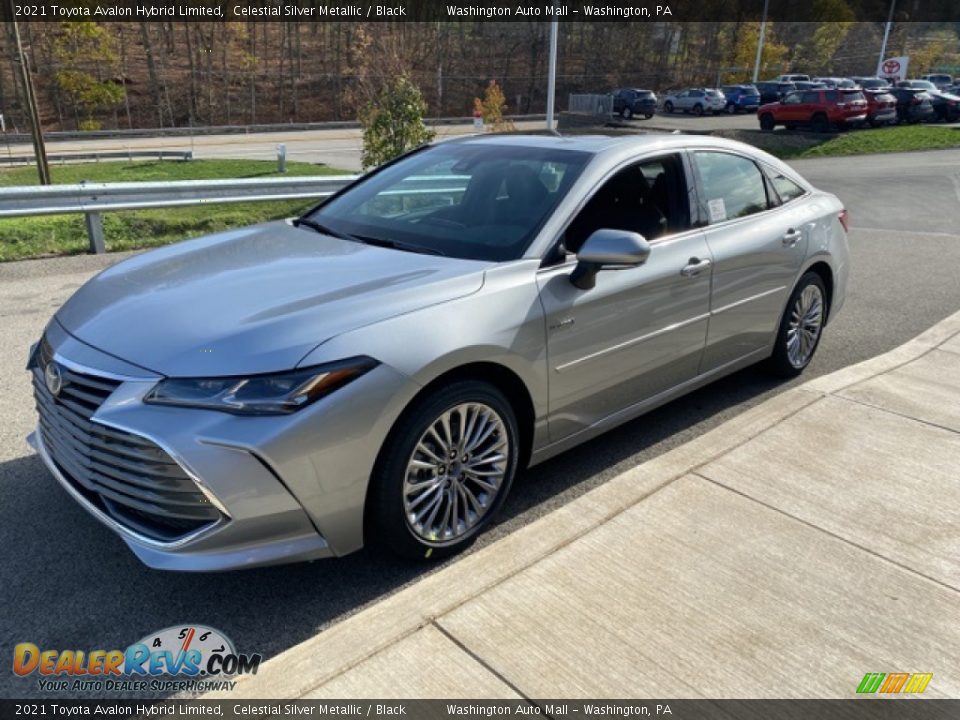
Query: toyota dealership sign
[[895, 68]]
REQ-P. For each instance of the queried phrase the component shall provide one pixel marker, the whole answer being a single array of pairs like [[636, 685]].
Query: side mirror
[[608, 250]]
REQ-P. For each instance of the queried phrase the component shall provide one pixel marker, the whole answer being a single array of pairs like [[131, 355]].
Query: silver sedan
[[380, 369]]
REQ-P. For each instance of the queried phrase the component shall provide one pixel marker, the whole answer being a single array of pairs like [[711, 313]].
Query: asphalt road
[[336, 147], [67, 582]]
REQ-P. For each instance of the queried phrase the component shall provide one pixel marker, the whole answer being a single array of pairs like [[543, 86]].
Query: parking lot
[[71, 583]]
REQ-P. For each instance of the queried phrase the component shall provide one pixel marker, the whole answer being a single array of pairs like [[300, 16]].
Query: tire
[[790, 357], [698, 109], [668, 106], [413, 451], [820, 123], [767, 122], [731, 109], [627, 113], [648, 115]]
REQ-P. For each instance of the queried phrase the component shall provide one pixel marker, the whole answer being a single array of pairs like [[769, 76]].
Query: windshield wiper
[[396, 245], [321, 228]]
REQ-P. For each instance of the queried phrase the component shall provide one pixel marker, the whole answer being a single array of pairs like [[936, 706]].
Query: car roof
[[610, 144]]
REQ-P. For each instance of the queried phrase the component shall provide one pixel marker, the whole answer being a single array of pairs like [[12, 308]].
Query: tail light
[[844, 218]]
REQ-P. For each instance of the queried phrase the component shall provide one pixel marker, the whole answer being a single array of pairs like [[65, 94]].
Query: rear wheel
[[800, 327], [648, 115], [668, 106], [627, 113], [820, 123], [766, 122], [731, 108], [444, 472], [698, 109]]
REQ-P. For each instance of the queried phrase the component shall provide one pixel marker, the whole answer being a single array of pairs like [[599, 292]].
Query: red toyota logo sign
[[891, 67]]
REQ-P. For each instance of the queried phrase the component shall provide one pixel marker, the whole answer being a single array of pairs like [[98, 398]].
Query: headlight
[[275, 394]]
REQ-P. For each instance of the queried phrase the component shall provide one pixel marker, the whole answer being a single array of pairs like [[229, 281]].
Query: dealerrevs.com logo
[[182, 658]]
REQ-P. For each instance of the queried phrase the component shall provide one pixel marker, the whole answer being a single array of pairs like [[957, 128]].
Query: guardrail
[[98, 156], [93, 199]]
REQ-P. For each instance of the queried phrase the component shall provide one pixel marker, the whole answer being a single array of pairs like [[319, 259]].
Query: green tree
[[393, 122]]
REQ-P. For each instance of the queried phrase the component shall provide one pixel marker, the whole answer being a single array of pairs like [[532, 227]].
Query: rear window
[[852, 95], [645, 93], [786, 188]]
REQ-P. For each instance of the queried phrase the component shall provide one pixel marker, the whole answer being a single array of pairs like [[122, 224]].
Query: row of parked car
[[821, 103]]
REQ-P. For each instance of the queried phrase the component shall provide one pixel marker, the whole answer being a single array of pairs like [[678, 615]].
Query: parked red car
[[820, 109], [881, 107]]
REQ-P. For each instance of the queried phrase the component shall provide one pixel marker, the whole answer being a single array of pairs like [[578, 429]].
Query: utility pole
[[886, 36], [763, 30], [552, 72], [39, 151]]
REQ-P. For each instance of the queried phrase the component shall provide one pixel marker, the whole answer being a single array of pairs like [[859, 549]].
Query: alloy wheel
[[806, 321], [455, 473]]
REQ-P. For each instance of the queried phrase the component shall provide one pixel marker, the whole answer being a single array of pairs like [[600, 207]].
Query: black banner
[[479, 10], [872, 708]]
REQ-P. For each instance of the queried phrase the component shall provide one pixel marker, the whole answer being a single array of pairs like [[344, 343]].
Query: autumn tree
[[90, 86], [492, 108]]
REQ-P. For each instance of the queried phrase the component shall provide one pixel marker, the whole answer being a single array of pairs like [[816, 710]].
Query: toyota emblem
[[53, 378]]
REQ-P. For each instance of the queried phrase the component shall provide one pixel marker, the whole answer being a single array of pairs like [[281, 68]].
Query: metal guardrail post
[[95, 232]]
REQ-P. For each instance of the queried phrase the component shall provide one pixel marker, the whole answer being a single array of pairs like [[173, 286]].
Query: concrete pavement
[[786, 553]]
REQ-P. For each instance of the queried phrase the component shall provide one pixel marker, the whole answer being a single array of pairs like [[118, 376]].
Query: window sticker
[[717, 210]]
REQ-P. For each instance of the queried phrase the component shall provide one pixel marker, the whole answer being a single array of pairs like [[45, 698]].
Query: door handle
[[791, 237], [695, 266]]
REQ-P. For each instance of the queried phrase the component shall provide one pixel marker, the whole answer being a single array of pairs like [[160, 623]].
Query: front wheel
[[443, 472], [766, 122], [800, 327], [627, 113], [668, 106], [731, 108], [698, 109]]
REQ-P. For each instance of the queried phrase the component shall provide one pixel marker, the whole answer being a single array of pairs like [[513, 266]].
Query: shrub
[[393, 122]]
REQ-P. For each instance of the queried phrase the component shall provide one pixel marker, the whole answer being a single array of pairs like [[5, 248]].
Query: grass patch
[[902, 138], [22, 238]]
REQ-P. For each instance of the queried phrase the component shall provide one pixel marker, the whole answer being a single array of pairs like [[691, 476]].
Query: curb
[[332, 652]]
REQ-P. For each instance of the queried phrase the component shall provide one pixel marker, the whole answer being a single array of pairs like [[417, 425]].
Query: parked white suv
[[695, 100]]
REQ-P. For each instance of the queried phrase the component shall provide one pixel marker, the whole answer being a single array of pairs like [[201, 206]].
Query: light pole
[[552, 72], [763, 30], [886, 36], [39, 150]]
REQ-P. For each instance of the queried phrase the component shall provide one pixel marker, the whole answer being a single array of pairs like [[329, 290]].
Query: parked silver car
[[695, 100], [380, 369]]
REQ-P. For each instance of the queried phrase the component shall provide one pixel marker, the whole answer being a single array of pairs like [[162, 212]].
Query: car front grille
[[126, 476]]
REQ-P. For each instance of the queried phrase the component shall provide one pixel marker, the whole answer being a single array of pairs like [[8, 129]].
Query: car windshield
[[874, 83], [479, 202]]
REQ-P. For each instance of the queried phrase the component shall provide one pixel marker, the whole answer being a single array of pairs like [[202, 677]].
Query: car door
[[638, 332], [791, 109], [757, 248]]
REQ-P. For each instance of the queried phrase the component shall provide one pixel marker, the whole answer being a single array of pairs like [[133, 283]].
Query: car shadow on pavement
[[69, 582]]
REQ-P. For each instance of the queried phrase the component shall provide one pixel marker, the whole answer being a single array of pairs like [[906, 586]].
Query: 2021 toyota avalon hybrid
[[379, 369]]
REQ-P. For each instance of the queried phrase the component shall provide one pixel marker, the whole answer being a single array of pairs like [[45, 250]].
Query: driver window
[[649, 198]]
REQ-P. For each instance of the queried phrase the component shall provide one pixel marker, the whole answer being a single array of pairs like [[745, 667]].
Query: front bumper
[[290, 487]]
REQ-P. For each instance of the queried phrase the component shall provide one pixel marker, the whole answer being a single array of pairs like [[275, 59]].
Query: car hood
[[253, 300]]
